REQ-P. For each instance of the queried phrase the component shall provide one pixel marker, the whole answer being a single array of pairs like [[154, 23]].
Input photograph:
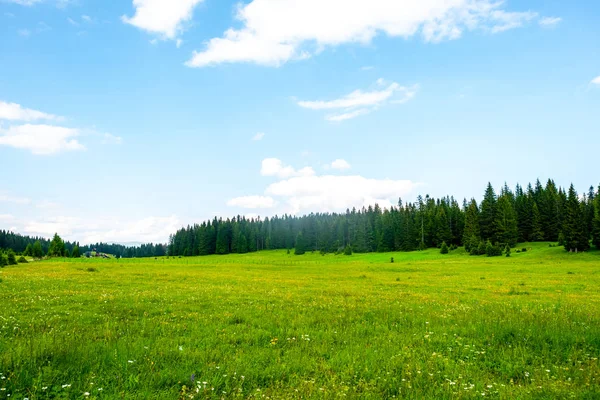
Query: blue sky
[[121, 121]]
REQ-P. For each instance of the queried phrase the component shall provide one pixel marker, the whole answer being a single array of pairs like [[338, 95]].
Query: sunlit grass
[[275, 325]]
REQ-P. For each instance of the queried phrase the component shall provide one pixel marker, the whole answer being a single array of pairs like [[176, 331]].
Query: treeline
[[25, 245], [536, 213]]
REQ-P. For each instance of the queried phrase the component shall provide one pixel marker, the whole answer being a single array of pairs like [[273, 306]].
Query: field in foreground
[[272, 325]]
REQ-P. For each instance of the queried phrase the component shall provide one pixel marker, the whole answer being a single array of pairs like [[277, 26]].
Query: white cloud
[[596, 80], [367, 68], [331, 193], [73, 22], [108, 230], [9, 15], [252, 202], [549, 21], [14, 112], [15, 200], [24, 32], [361, 102], [275, 32], [162, 17], [107, 138], [275, 167], [340, 164], [178, 43], [6, 217], [87, 18], [258, 136], [41, 139]]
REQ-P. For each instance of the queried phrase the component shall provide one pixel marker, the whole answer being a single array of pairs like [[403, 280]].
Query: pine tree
[[506, 222], [472, 232], [300, 247], [57, 247], [28, 250], [76, 253], [11, 257], [596, 222], [444, 248], [536, 226], [444, 233], [573, 227], [487, 216], [37, 250]]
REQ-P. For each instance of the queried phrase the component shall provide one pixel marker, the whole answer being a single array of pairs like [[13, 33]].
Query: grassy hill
[[275, 325]]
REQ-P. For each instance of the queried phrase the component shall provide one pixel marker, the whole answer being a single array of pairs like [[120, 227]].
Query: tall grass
[[272, 325]]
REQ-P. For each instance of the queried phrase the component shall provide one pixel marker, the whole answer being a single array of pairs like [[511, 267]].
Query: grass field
[[272, 325]]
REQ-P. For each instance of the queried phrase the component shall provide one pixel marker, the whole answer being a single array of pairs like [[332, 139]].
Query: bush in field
[[492, 250], [22, 260], [507, 251], [444, 248], [348, 250], [11, 257]]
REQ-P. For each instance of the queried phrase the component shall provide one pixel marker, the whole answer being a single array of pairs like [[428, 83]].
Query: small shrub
[[91, 269], [444, 248], [11, 257], [492, 250], [22, 260], [524, 250], [288, 251], [348, 250], [507, 251], [392, 260], [397, 279]]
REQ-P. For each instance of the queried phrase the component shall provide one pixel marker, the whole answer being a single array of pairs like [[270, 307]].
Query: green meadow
[[276, 326]]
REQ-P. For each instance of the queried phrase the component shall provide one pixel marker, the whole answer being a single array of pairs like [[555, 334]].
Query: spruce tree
[[596, 223], [506, 222], [300, 247], [573, 227], [487, 216], [76, 253], [28, 250], [444, 248], [444, 233], [57, 247], [11, 257], [37, 250], [536, 225], [472, 232]]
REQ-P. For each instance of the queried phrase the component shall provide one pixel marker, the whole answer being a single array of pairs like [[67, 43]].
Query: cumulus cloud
[[41, 139], [340, 164], [596, 81], [109, 230], [162, 17], [15, 112], [275, 32], [330, 193], [275, 167], [361, 102], [326, 193], [258, 136], [549, 21], [252, 202]]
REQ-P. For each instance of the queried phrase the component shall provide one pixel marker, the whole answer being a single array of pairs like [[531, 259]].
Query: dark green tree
[[300, 247], [57, 247], [11, 257], [472, 232], [28, 250], [487, 216], [574, 224], [37, 250], [596, 222], [444, 248], [76, 253], [537, 235], [506, 222]]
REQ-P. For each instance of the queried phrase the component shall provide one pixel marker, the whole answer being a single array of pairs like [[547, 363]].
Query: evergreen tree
[[444, 248], [596, 222], [444, 233], [3, 260], [37, 250], [300, 247], [57, 247], [506, 222], [536, 225], [11, 257], [75, 253], [28, 250], [487, 216], [573, 226], [472, 232]]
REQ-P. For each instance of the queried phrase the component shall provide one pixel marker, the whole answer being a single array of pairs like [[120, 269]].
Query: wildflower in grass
[[67, 385], [180, 348], [86, 394]]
